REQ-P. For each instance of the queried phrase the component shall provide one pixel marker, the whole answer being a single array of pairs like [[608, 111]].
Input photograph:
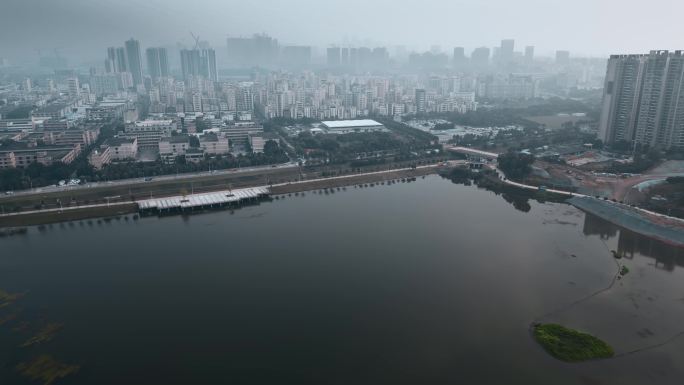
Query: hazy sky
[[593, 27]]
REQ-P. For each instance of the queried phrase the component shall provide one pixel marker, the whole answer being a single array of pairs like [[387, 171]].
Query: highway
[[465, 150], [136, 181], [68, 208]]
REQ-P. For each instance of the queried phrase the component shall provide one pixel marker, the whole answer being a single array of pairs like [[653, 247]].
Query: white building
[[213, 144], [73, 87], [150, 132], [348, 126], [114, 149], [257, 143], [173, 146]]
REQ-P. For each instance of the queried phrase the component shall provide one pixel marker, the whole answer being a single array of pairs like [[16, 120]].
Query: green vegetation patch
[[46, 334], [46, 369], [624, 270], [570, 345]]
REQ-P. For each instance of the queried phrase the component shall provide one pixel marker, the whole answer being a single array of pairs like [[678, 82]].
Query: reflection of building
[[594, 225], [667, 257]]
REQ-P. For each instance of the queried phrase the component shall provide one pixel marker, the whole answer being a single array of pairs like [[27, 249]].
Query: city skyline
[[552, 26], [324, 192]]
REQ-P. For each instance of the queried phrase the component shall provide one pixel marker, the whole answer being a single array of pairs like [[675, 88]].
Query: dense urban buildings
[[164, 96], [643, 95]]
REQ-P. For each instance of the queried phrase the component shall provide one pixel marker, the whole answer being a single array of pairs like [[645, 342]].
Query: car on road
[[148, 179], [9, 192]]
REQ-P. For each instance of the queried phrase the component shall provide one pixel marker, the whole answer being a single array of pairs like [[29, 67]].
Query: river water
[[412, 283]]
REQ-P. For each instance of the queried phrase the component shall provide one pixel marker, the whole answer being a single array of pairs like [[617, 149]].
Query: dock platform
[[202, 201]]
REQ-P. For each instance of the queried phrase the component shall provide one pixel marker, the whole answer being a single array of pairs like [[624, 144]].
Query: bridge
[[491, 156]]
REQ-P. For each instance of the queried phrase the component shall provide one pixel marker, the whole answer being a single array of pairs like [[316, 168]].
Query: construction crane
[[197, 40]]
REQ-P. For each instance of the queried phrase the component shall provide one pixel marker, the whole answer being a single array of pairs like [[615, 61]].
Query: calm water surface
[[417, 283]]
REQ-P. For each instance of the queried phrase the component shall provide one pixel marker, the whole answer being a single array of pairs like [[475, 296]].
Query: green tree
[[516, 165]]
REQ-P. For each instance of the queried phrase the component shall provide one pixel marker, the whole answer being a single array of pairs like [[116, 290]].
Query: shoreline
[[75, 213], [349, 180], [633, 221], [661, 229]]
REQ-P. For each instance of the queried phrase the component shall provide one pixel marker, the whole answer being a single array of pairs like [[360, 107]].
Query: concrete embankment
[[74, 213], [350, 180], [70, 214], [664, 229]]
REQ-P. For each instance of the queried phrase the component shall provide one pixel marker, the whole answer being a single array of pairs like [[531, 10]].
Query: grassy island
[[570, 345]]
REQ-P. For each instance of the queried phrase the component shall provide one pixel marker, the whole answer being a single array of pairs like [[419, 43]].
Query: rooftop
[[50, 108], [114, 142], [23, 147], [351, 123], [146, 123], [209, 137], [177, 139]]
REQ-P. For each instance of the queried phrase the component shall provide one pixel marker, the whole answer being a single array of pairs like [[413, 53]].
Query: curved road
[[492, 155]]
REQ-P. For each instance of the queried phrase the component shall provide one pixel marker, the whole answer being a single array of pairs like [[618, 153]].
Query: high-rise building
[[157, 62], [104, 84], [642, 100], [258, 50], [73, 87], [245, 99], [421, 101], [116, 61], [121, 60], [563, 57], [460, 59], [506, 51], [190, 63], [334, 57], [344, 57], [529, 54], [296, 56], [208, 62], [195, 63], [480, 57], [134, 60]]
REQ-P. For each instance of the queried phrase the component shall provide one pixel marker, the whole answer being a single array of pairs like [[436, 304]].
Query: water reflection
[[631, 244]]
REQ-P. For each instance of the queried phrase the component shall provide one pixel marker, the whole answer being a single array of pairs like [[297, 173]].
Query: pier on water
[[202, 201]]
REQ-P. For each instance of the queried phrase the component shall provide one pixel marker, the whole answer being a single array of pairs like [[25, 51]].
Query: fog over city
[[322, 192], [586, 27]]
